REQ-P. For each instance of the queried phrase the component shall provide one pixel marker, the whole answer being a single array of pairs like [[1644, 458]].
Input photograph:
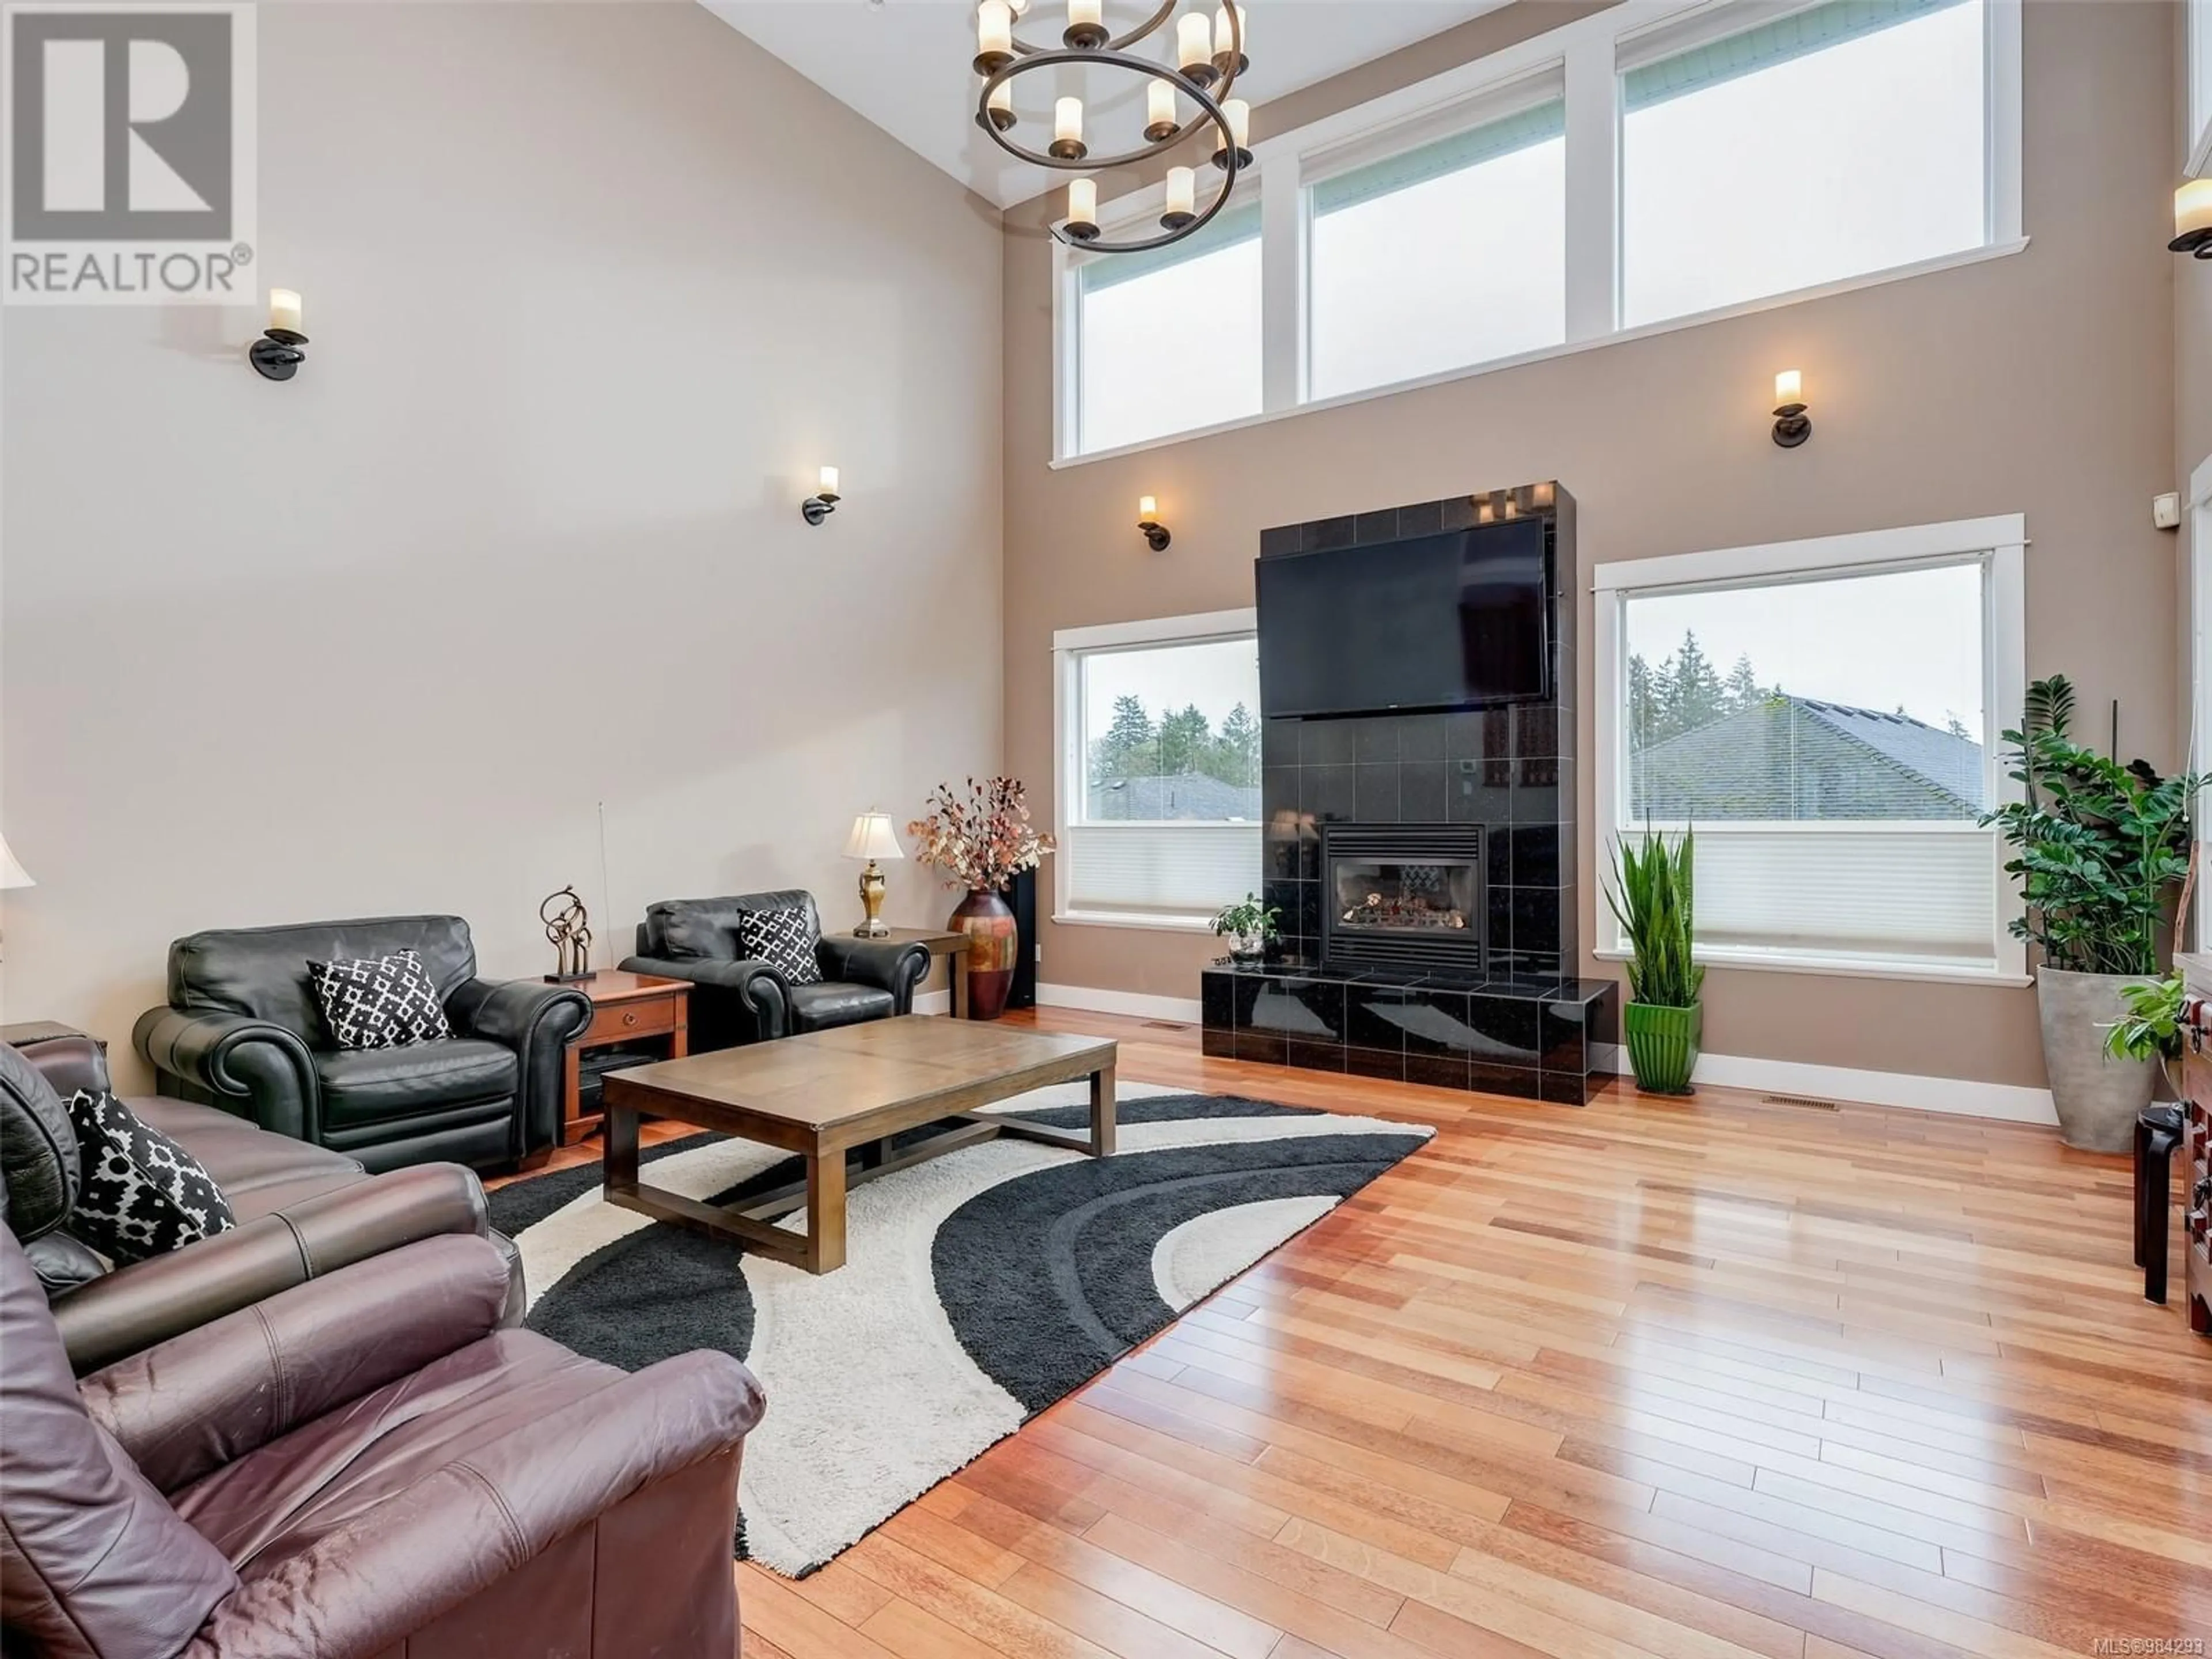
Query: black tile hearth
[[1532, 1039]]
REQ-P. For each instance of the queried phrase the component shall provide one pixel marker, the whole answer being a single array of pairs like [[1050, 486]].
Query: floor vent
[[1805, 1100], [1166, 1025]]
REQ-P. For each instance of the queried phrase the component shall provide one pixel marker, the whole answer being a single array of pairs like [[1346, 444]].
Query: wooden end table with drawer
[[626, 1007]]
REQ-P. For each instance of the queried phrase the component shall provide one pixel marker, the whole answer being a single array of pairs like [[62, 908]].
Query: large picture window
[[1883, 102], [1170, 339], [1449, 254], [1158, 781], [1824, 714]]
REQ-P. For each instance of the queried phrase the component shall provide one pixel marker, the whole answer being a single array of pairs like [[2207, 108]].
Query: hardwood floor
[[1688, 1380]]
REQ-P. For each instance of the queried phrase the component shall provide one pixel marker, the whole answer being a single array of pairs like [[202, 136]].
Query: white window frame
[[2200, 88], [2002, 540], [1069, 646], [2197, 511], [1586, 53]]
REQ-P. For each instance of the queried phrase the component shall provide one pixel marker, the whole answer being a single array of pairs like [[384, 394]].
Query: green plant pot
[[1662, 1045]]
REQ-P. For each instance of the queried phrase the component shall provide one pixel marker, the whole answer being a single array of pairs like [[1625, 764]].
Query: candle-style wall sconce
[[1148, 520], [277, 355], [1792, 425], [820, 505]]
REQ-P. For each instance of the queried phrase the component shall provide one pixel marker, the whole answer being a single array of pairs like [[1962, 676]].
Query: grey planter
[[2097, 1097]]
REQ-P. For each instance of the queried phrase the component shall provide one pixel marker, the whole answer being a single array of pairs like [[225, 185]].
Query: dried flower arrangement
[[983, 842]]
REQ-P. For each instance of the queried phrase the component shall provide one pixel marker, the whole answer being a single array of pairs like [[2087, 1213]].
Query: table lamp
[[873, 838]]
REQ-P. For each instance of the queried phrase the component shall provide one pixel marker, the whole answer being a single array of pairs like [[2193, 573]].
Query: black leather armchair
[[735, 1001], [242, 1031]]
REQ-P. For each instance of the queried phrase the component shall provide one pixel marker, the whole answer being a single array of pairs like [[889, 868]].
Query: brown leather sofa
[[302, 1211], [364, 1467]]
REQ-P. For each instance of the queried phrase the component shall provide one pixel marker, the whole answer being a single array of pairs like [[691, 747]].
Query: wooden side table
[[942, 943], [625, 1007]]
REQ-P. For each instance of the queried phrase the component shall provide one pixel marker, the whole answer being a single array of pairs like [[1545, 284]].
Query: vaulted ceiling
[[904, 64]]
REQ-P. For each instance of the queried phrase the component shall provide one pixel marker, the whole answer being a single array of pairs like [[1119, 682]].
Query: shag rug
[[978, 1288]]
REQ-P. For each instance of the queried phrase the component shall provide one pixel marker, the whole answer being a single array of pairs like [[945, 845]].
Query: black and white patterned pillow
[[141, 1194], [785, 939], [379, 1002]]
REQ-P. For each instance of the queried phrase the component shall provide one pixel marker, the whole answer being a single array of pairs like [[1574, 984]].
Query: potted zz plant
[[1651, 895], [982, 843], [1248, 926], [2099, 848]]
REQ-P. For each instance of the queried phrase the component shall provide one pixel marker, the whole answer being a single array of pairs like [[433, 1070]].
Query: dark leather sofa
[[301, 1210], [734, 1000], [365, 1466], [242, 1031]]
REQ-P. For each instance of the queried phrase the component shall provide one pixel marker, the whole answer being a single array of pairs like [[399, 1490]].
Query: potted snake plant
[[1652, 897]]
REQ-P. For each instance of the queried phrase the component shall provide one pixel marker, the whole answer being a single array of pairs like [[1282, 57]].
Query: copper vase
[[994, 942]]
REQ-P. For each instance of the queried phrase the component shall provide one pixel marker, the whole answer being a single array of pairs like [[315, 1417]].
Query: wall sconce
[[1148, 520], [276, 353], [820, 505], [1792, 426], [2192, 219]]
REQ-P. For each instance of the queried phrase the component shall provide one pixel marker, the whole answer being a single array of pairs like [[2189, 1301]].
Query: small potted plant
[[1651, 895], [1250, 926], [982, 843]]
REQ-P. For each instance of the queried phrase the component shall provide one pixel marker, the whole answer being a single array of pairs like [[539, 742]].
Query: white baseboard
[[933, 1002], [2012, 1102], [1183, 1010]]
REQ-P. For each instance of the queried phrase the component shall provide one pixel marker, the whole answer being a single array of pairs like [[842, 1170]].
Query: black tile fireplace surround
[[1484, 801]]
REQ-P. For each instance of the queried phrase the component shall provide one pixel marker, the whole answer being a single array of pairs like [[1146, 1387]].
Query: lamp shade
[[13, 874], [873, 837]]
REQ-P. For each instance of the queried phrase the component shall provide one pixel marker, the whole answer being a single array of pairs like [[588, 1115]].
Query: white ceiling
[[905, 66]]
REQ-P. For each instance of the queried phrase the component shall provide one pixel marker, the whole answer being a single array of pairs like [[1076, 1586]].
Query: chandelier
[[1209, 57]]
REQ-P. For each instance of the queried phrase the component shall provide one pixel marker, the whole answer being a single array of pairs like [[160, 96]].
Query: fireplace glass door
[[1411, 896], [1388, 895]]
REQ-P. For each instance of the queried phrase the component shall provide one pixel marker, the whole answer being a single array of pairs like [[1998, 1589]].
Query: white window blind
[[1160, 869], [1923, 895]]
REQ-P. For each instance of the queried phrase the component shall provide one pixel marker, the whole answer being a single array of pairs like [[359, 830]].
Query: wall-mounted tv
[[1460, 619]]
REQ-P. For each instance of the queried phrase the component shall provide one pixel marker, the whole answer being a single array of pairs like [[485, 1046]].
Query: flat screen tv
[[1461, 620]]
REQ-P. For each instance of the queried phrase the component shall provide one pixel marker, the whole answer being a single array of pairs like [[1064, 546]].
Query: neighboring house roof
[[1181, 795], [1796, 757]]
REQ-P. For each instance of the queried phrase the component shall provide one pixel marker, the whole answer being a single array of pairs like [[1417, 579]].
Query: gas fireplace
[[1407, 896]]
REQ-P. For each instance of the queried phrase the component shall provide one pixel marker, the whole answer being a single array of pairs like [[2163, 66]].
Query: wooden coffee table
[[828, 1094]]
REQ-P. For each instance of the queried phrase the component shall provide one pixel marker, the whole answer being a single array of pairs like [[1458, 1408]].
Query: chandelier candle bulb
[[1083, 208], [1068, 131], [1194, 49], [1240, 129], [1087, 25], [2192, 219], [1182, 198], [1000, 109], [994, 36], [1227, 35], [1160, 123]]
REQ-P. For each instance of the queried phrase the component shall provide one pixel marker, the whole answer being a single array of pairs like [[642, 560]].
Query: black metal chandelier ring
[[1209, 107], [1230, 156], [1143, 30]]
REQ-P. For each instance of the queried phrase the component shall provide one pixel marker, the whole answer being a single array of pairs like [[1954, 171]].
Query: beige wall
[[593, 289], [2192, 383], [2041, 384]]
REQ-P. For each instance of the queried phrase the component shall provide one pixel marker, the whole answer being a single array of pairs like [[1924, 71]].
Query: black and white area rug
[[978, 1288]]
